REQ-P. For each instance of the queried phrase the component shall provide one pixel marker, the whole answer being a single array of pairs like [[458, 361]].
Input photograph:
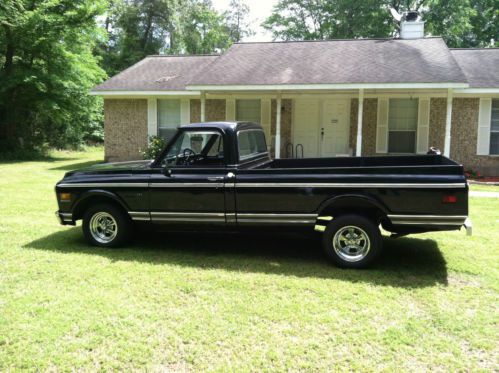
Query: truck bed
[[400, 164]]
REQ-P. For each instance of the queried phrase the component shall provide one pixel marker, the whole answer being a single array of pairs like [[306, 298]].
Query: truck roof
[[224, 126]]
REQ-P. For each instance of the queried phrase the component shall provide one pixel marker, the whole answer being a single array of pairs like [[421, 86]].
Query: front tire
[[105, 225], [352, 241]]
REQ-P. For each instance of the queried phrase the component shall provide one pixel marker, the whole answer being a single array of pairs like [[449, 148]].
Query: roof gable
[[426, 60]]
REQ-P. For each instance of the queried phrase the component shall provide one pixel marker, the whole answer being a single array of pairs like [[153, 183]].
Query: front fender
[[103, 195]]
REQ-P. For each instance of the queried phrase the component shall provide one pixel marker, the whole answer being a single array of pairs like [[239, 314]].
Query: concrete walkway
[[477, 193]]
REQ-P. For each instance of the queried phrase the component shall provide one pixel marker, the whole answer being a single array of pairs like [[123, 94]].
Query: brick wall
[[125, 129], [464, 137], [215, 110], [369, 120]]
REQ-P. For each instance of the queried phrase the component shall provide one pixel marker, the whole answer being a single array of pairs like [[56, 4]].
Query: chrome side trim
[[246, 218], [427, 219], [181, 185], [103, 185], [139, 216], [218, 217], [230, 217], [351, 185]]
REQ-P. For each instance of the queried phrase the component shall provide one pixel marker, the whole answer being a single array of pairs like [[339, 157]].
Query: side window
[[494, 127], [250, 144], [196, 148]]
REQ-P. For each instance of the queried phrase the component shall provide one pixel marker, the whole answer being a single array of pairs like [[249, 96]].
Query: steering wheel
[[187, 153]]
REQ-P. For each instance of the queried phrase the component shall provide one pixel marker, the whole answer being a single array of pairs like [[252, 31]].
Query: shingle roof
[[481, 66], [157, 73], [426, 60]]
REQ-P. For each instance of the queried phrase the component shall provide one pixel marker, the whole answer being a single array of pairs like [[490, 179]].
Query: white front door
[[321, 127], [335, 128], [306, 121]]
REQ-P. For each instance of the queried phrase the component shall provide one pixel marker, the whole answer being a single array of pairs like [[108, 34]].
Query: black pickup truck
[[220, 176]]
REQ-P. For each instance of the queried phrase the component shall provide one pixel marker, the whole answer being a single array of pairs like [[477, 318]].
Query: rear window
[[251, 143]]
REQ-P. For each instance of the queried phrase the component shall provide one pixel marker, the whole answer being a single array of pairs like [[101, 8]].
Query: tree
[[47, 68], [319, 19], [237, 20], [462, 23], [202, 30]]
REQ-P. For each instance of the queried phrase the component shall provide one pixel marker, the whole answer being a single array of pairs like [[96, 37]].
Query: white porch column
[[278, 126], [203, 106], [360, 114], [448, 123]]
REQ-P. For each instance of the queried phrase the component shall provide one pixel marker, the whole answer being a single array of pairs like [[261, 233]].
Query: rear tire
[[352, 241], [106, 225]]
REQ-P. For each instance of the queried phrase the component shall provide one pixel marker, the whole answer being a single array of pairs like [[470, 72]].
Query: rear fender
[[350, 204]]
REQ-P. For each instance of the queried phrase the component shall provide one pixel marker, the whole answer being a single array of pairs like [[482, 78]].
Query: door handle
[[215, 178]]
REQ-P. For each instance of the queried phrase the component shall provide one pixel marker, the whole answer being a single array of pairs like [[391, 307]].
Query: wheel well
[[355, 207], [81, 207]]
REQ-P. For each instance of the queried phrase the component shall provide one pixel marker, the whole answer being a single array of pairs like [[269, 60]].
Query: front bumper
[[468, 226], [65, 218]]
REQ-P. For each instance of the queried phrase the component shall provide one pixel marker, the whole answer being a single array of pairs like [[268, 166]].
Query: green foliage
[[155, 146], [236, 303], [139, 28], [47, 70], [462, 23]]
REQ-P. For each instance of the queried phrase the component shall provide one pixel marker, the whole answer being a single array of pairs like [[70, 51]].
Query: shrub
[[156, 145], [472, 174]]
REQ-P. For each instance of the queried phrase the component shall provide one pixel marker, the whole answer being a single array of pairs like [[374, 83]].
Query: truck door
[[189, 189]]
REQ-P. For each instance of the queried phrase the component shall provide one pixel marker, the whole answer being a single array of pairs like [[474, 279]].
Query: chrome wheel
[[103, 227], [351, 243]]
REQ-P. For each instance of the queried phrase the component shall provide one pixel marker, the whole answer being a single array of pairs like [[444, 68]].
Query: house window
[[248, 111], [168, 118], [402, 125], [494, 128]]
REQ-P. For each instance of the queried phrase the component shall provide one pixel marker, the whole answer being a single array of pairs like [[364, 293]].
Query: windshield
[[196, 148]]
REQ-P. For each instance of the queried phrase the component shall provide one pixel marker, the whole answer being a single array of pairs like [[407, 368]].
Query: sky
[[259, 10]]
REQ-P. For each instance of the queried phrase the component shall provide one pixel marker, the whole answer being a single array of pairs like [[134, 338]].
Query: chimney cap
[[411, 16]]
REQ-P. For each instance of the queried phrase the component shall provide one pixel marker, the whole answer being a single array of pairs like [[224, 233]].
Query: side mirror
[[167, 171]]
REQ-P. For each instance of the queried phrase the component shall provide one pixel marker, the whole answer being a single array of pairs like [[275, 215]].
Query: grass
[[484, 188], [175, 302]]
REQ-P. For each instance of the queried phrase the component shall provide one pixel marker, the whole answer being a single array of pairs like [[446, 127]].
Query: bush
[[156, 145]]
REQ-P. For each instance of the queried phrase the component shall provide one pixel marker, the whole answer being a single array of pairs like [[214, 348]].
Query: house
[[319, 98]]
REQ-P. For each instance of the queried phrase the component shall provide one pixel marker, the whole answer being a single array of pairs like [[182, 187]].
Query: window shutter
[[266, 117], [382, 126], [230, 109], [484, 114], [423, 126]]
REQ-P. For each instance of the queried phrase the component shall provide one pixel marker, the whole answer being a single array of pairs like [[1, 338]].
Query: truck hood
[[120, 167]]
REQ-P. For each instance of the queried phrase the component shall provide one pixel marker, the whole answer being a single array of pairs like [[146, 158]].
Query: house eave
[[475, 91], [143, 93], [282, 87]]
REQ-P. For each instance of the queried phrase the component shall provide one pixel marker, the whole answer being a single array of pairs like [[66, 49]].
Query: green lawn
[[242, 303]]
